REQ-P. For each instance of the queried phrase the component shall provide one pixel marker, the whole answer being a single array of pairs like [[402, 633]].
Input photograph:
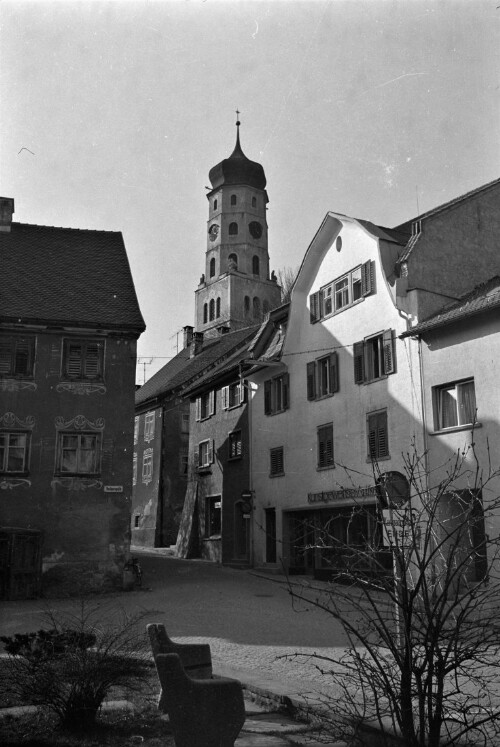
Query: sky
[[113, 113]]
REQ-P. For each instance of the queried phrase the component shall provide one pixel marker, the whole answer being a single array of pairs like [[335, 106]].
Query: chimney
[[223, 329], [6, 212], [188, 335], [196, 344]]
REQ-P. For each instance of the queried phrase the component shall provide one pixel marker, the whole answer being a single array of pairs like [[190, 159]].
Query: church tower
[[236, 289]]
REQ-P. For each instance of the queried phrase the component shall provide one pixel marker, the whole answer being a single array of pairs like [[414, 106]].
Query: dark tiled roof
[[67, 275], [483, 297], [388, 234], [183, 370]]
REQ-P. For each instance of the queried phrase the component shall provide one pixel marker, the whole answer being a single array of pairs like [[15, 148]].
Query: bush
[[71, 667]]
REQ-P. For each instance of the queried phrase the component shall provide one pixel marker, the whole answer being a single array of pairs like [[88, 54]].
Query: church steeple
[[236, 289]]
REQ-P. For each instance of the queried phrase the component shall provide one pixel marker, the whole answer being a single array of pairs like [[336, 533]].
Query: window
[[205, 454], [149, 426], [276, 394], [215, 204], [254, 202], [455, 404], [212, 267], [277, 466], [205, 405], [232, 261], [14, 448], [217, 308], [233, 395], [78, 453], [185, 422], [211, 307], [270, 535], [377, 435], [322, 377], [233, 200], [247, 305], [325, 446], [256, 307], [183, 460], [136, 430], [213, 516], [17, 356], [205, 313], [147, 466], [136, 521], [134, 470], [374, 357], [255, 265], [233, 229], [235, 447], [83, 359], [343, 292]]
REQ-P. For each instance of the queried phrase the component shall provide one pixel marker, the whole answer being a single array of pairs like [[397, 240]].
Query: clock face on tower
[[255, 229], [213, 231]]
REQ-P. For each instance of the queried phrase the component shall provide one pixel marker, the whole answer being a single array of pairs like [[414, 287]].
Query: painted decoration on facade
[[7, 483], [10, 420], [81, 387], [77, 483], [17, 385], [149, 426], [79, 422], [147, 466]]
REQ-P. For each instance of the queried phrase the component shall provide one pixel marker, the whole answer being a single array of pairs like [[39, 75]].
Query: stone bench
[[195, 657], [202, 712]]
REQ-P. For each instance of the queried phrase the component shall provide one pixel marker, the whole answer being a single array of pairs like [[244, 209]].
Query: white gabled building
[[342, 404], [346, 394]]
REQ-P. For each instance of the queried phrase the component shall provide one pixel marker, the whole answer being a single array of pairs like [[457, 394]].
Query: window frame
[[364, 361], [233, 395], [324, 460], [235, 445], [314, 378], [437, 400], [209, 453], [377, 435], [205, 405], [324, 302], [277, 394], [7, 447], [276, 460], [10, 349], [84, 346], [61, 449]]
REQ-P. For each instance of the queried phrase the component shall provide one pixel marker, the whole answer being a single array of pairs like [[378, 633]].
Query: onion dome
[[237, 169]]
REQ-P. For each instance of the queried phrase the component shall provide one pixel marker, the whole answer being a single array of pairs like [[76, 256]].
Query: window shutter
[[210, 451], [325, 446], [55, 359], [359, 362], [198, 408], [241, 392], [92, 361], [368, 278], [382, 435], [211, 402], [334, 374], [311, 380], [225, 397], [6, 356], [197, 457], [267, 397], [372, 436], [388, 352], [74, 360], [22, 363], [286, 391], [314, 307]]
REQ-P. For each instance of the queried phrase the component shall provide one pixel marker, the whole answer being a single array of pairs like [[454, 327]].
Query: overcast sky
[[113, 113]]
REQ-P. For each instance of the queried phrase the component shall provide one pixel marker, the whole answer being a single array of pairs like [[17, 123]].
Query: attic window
[[83, 359]]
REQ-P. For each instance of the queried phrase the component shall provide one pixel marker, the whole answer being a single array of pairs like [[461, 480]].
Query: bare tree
[[424, 641], [286, 277]]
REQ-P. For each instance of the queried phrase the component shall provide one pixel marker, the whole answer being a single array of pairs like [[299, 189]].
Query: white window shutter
[[210, 451], [211, 402], [198, 408], [241, 392], [225, 397], [389, 353]]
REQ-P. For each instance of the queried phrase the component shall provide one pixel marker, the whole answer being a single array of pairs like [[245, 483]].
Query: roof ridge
[[64, 228], [449, 203]]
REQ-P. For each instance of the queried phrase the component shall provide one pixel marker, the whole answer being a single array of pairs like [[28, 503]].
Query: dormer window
[[233, 229], [233, 199]]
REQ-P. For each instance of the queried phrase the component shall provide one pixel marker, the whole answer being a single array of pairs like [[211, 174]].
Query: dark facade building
[[69, 322]]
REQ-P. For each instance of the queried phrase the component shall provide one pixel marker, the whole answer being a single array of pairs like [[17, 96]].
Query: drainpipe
[[425, 440]]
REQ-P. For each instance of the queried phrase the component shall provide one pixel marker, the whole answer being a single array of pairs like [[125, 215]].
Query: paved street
[[250, 621]]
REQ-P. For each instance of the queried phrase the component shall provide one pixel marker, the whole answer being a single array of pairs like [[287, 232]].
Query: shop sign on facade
[[350, 494], [399, 527]]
